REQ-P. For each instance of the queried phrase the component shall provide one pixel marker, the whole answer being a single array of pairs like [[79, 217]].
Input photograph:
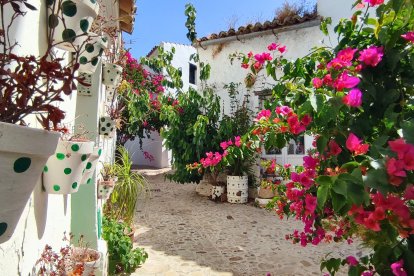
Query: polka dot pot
[[217, 191], [110, 93], [106, 126], [105, 189], [111, 74], [93, 159], [77, 15], [63, 171], [23, 154], [237, 189], [91, 52], [84, 90]]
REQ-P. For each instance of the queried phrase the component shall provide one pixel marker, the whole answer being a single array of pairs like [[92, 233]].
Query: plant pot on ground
[[70, 22], [237, 189], [64, 170], [89, 258]]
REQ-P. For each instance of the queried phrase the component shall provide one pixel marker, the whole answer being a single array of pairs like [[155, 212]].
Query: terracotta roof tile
[[259, 27]]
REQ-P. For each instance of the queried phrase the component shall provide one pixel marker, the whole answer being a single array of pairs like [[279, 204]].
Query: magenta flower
[[408, 36], [317, 83], [373, 3], [398, 268], [284, 110], [371, 56], [282, 49], [310, 203], [261, 58], [224, 145], [354, 98], [367, 273], [237, 141], [272, 46], [264, 114], [352, 261], [345, 81], [353, 143]]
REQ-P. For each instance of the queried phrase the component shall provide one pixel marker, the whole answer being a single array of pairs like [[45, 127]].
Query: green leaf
[[378, 179], [340, 187], [325, 184], [321, 143], [408, 131], [338, 202], [356, 193], [316, 101]]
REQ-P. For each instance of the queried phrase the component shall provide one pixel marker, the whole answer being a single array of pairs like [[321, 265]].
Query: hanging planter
[[110, 93], [23, 154], [106, 126], [91, 165], [237, 189], [105, 189], [63, 171], [111, 74], [84, 90], [91, 52], [71, 22]]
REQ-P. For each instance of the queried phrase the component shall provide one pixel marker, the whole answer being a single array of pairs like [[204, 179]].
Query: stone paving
[[187, 234]]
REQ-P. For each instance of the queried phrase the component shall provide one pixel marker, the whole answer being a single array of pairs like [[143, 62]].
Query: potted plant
[[91, 165], [107, 183], [69, 260], [112, 69], [69, 22], [107, 124], [30, 87], [84, 85], [64, 170]]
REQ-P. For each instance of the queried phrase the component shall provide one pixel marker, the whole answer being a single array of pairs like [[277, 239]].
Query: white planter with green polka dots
[[111, 74], [64, 170], [77, 16], [110, 93], [105, 189], [91, 53], [106, 126], [84, 90], [23, 154], [90, 166]]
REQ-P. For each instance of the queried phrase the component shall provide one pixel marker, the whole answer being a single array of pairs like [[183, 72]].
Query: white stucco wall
[[154, 145], [47, 217]]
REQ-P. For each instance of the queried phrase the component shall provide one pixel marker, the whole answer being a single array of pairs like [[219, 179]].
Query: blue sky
[[163, 20]]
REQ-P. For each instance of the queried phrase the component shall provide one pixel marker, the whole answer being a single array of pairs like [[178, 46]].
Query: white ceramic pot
[[110, 93], [262, 202], [237, 189], [84, 90], [105, 189], [106, 126], [91, 166], [111, 74], [23, 154], [77, 15], [89, 268], [217, 191], [64, 170], [90, 53]]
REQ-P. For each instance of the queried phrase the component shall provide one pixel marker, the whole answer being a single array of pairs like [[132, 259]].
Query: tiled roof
[[259, 27]]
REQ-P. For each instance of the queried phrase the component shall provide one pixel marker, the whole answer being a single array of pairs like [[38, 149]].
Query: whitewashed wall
[[154, 145], [299, 40], [47, 217]]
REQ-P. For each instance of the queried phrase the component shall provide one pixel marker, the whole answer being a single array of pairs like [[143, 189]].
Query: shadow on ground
[[186, 234]]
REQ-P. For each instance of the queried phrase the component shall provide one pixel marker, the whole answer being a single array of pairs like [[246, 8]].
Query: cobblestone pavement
[[187, 234]]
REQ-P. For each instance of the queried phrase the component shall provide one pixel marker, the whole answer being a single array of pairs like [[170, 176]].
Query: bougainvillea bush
[[357, 101]]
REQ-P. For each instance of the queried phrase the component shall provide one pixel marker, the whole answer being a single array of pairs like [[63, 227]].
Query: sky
[[163, 20]]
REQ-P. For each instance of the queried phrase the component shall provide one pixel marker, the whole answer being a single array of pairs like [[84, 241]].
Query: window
[[193, 73]]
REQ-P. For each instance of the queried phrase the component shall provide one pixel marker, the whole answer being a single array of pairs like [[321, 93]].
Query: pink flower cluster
[[345, 63], [397, 167], [390, 207], [211, 160], [409, 36], [273, 46], [373, 3], [398, 268], [237, 142], [354, 144]]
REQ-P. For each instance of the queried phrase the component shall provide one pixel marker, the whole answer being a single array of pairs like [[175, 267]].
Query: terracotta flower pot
[[64, 170], [78, 16], [23, 154], [106, 126], [237, 189], [265, 193], [91, 165], [111, 74], [90, 53]]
